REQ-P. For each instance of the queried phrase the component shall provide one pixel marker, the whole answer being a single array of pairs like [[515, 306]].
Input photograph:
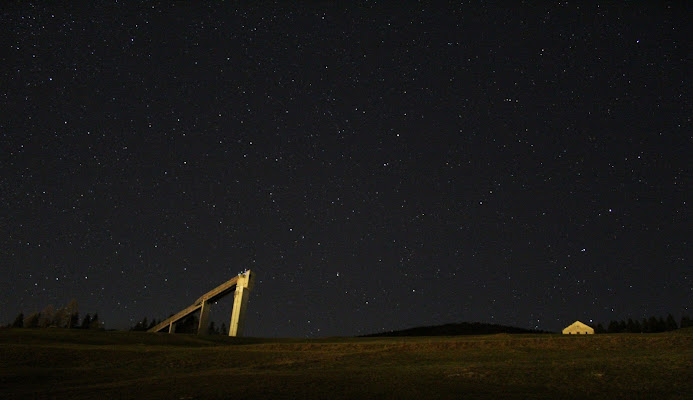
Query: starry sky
[[378, 166]]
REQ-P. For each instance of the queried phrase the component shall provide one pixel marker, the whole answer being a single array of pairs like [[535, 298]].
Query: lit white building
[[578, 328]]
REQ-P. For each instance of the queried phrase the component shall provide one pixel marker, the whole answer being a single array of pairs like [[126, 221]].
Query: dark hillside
[[463, 328]]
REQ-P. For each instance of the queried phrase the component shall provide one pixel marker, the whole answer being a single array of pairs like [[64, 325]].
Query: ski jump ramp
[[240, 285]]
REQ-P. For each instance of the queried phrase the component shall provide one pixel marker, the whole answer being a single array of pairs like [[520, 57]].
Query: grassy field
[[64, 364]]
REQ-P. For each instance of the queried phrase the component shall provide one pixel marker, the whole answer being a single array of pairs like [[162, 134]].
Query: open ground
[[72, 364]]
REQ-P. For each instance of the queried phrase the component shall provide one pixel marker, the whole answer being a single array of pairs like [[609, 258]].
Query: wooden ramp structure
[[241, 285]]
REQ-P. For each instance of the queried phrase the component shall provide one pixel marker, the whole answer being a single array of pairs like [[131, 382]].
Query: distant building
[[578, 328]]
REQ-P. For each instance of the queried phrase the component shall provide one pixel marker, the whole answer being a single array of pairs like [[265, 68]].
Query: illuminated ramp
[[239, 285]]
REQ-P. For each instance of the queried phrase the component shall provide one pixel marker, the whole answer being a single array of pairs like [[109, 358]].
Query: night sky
[[377, 166]]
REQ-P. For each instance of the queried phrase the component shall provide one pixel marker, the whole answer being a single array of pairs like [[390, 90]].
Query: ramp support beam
[[203, 326]]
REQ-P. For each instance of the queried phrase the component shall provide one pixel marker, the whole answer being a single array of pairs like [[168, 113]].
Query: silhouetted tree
[[72, 310], [152, 324], [212, 330], [636, 327], [630, 326], [141, 326], [686, 322], [653, 323], [671, 323], [188, 324], [60, 318], [599, 328], [613, 327], [32, 321], [86, 321], [95, 322], [46, 317], [18, 321], [224, 330], [74, 321], [645, 325], [662, 324]]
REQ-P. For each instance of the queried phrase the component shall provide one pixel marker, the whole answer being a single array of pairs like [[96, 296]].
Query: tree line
[[646, 325], [187, 325], [64, 317]]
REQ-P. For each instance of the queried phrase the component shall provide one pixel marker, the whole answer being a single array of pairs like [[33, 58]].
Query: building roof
[[577, 325]]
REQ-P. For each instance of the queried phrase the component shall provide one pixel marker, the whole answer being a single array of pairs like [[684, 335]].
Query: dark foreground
[[61, 364]]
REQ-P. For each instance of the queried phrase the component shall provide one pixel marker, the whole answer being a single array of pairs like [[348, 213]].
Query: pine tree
[[72, 310], [32, 321], [686, 322], [141, 326], [46, 317], [613, 327], [630, 326], [224, 331], [74, 321], [637, 327], [95, 322], [86, 322], [671, 323], [189, 324], [137, 327], [60, 318], [19, 321], [661, 324]]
